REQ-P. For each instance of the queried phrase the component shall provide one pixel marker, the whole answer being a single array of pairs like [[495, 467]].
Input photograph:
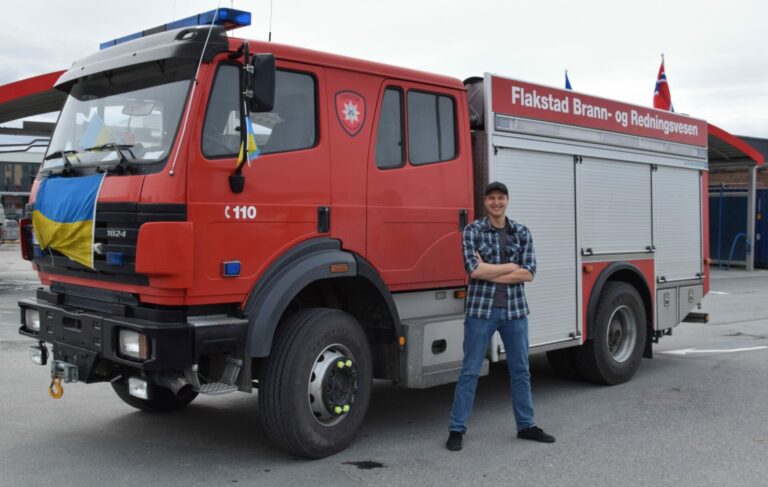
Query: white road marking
[[686, 351], [718, 292]]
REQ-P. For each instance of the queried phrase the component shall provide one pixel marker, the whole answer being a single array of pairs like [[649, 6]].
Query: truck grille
[[116, 233]]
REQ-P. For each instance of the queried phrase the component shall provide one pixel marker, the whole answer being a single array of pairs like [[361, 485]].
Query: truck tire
[[563, 364], [613, 354], [162, 400], [315, 386]]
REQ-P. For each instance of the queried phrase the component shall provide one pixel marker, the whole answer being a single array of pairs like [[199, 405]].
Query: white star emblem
[[351, 113]]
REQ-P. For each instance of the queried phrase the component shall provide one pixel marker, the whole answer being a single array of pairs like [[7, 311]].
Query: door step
[[227, 383], [217, 388]]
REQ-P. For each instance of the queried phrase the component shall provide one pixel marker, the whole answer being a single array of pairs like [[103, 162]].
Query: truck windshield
[[121, 116]]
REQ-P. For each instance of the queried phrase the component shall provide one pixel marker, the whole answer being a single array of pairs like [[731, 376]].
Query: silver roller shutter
[[542, 197]]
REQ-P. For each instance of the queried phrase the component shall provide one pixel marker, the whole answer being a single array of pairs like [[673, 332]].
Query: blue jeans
[[477, 335]]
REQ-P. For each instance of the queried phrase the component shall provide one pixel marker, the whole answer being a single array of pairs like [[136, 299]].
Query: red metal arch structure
[[727, 149], [31, 96]]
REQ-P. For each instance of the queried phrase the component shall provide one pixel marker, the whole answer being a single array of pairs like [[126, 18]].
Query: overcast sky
[[716, 59]]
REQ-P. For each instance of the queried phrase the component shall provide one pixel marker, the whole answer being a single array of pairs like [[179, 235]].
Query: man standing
[[499, 258]]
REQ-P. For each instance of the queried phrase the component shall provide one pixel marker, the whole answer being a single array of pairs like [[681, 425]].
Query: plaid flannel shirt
[[480, 237]]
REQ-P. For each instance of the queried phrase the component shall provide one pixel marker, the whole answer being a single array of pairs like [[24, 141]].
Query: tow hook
[[56, 390], [61, 372]]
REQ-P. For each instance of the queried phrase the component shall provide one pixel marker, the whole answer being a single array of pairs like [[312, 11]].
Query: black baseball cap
[[496, 186]]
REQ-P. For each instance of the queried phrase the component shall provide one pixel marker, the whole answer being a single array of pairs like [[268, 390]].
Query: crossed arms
[[500, 273], [508, 273]]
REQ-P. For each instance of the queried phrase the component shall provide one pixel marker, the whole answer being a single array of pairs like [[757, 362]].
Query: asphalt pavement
[[695, 415]]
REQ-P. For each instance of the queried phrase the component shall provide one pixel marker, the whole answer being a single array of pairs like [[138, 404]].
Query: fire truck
[[333, 258]]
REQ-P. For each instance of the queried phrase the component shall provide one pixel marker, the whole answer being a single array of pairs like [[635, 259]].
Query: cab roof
[[319, 58]]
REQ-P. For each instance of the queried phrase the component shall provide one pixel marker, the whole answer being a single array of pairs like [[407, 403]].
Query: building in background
[[20, 158], [737, 203], [23, 142]]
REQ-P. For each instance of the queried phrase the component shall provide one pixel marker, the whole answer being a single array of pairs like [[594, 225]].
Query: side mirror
[[262, 83]]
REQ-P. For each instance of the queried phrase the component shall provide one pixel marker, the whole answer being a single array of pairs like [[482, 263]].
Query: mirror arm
[[237, 180]]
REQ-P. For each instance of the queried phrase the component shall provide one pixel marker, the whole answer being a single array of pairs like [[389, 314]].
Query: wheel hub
[[333, 385], [622, 333]]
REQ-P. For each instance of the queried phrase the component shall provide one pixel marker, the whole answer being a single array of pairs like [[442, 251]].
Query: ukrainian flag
[[96, 133], [252, 151], [65, 213]]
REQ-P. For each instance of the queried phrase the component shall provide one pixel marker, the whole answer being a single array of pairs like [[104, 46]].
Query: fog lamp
[[138, 387], [38, 354]]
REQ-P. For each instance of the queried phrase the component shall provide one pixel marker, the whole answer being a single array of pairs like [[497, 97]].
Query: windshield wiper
[[123, 162], [115, 147], [64, 154]]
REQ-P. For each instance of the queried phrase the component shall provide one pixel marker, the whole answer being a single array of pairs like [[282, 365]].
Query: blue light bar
[[228, 18]]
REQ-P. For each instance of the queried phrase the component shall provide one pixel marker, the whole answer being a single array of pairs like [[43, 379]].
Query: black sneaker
[[454, 440], [536, 434]]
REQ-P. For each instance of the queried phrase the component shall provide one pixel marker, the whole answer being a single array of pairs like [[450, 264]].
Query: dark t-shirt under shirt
[[500, 297]]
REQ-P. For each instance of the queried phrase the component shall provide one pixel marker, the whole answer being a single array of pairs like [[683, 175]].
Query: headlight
[[133, 344], [32, 319]]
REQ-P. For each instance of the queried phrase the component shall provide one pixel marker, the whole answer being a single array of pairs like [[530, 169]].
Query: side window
[[221, 134], [291, 125], [390, 150], [431, 128]]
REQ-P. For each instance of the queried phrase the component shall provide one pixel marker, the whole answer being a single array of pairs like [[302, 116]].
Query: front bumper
[[89, 340]]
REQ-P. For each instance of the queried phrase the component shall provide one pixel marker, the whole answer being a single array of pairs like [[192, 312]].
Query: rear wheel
[[161, 400], [315, 387], [613, 353]]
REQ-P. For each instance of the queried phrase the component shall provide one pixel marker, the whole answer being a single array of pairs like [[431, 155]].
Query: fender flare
[[298, 267], [602, 279]]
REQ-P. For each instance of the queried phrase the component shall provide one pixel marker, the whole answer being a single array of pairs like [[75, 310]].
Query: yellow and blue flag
[[64, 215], [253, 151], [96, 133]]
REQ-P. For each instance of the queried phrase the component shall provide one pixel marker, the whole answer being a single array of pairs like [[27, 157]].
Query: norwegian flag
[[661, 97]]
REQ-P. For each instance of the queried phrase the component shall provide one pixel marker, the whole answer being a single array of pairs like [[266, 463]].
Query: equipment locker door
[[542, 196], [615, 207], [677, 221]]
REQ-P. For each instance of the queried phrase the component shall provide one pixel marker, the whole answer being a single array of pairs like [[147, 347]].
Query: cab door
[[418, 188], [284, 186]]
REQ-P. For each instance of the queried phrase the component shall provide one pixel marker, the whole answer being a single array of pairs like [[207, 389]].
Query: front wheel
[[613, 354], [315, 387]]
